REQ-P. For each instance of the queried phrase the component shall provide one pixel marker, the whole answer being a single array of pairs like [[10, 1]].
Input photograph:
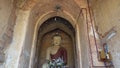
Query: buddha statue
[[56, 54]]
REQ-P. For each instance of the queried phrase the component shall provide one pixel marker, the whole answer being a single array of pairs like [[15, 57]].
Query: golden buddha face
[[56, 40]]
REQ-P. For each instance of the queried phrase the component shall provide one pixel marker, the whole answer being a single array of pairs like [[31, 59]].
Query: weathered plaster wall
[[107, 16], [5, 10], [27, 46], [84, 43], [15, 48], [7, 22]]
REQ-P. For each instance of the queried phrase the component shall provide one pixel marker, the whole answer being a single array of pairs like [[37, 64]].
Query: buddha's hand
[[48, 61]]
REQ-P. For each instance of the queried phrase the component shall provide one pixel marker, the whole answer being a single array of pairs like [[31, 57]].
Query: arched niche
[[76, 25], [66, 15], [47, 30]]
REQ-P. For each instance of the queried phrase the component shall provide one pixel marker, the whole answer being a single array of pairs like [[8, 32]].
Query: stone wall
[[106, 16]]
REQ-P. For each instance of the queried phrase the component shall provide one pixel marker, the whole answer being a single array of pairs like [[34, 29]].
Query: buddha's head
[[57, 39]]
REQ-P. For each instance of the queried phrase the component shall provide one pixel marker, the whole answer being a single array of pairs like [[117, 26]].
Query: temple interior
[[59, 34]]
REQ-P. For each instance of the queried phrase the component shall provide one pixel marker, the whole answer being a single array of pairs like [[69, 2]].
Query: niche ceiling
[[56, 23]]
